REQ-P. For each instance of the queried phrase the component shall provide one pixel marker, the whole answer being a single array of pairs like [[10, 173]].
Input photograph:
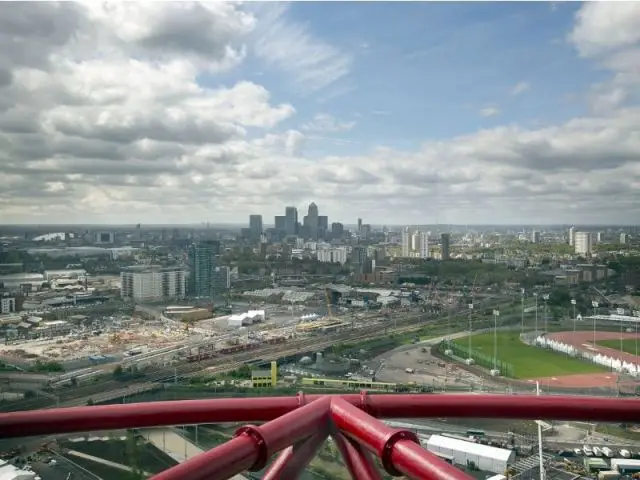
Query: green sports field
[[628, 345], [527, 361]]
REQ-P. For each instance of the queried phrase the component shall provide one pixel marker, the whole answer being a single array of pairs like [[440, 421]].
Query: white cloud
[[325, 123], [291, 46], [489, 112], [605, 26], [100, 124], [520, 88]]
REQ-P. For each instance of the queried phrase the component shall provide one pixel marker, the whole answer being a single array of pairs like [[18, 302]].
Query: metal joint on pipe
[[387, 449], [369, 432], [255, 434]]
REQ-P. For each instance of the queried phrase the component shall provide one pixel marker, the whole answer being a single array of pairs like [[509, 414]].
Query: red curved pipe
[[187, 412]]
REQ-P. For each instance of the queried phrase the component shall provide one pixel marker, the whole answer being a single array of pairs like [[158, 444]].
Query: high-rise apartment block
[[153, 283], [445, 239], [202, 264], [406, 242], [583, 243]]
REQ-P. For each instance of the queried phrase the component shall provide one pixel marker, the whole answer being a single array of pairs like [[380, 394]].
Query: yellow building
[[265, 378]]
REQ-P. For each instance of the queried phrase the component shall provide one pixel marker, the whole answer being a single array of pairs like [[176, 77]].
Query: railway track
[[153, 377]]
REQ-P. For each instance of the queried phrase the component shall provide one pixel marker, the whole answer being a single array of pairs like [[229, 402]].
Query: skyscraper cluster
[[313, 226]]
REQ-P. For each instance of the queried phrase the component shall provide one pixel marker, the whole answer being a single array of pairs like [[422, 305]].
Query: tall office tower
[[255, 226], [424, 244], [445, 238], [291, 220], [572, 236], [323, 226], [406, 241], [202, 264], [337, 230], [359, 225], [312, 221], [583, 243], [535, 237]]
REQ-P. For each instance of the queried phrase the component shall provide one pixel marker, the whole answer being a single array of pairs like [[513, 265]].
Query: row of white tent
[[597, 358]]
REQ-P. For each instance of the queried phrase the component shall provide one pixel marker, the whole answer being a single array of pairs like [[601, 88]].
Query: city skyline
[[402, 114]]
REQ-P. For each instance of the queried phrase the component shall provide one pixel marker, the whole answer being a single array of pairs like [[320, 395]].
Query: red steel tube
[[525, 407], [358, 461], [417, 463], [253, 446], [377, 437], [186, 412], [294, 459], [149, 414]]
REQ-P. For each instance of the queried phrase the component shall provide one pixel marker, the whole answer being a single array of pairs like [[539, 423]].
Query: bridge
[[295, 427]]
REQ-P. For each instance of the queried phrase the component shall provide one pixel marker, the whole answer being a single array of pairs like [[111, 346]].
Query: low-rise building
[[265, 378]]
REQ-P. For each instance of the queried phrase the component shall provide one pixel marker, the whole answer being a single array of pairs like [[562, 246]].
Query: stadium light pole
[[522, 305], [535, 295], [496, 314], [620, 312], [573, 302], [636, 313], [545, 298], [470, 327], [595, 312]]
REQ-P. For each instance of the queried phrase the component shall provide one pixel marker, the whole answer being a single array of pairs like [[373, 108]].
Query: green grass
[[628, 345], [527, 361]]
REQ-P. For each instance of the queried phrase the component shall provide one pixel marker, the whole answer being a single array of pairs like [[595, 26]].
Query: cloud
[[325, 123], [609, 33], [100, 123], [520, 88], [602, 27], [312, 63], [489, 112]]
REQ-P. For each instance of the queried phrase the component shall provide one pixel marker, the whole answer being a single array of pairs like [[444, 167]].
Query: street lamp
[[545, 298], [595, 312], [535, 295], [573, 302], [496, 314]]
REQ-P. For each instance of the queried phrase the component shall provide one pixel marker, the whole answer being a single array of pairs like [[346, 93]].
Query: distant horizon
[[268, 225]]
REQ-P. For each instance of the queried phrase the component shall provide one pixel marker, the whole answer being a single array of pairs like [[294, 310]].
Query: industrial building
[[153, 283], [265, 378], [484, 457]]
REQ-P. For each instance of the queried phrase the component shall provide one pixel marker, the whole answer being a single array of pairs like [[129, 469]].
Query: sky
[[399, 113]]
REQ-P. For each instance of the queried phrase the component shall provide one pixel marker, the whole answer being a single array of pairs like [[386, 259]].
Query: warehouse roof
[[438, 441]]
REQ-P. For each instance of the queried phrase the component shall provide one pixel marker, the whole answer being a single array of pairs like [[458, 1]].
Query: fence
[[479, 358]]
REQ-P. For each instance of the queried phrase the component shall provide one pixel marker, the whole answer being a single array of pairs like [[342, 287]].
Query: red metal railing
[[297, 426]]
